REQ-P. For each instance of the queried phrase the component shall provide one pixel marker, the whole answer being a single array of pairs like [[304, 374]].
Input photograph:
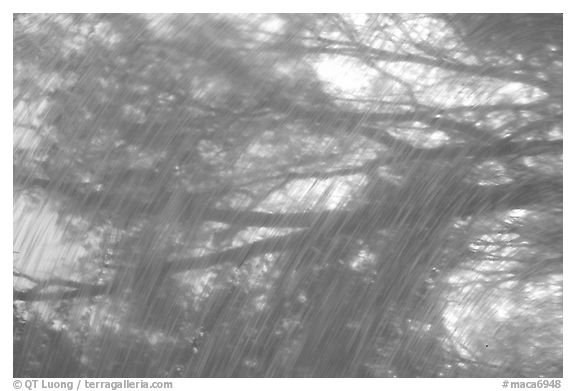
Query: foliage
[[292, 195]]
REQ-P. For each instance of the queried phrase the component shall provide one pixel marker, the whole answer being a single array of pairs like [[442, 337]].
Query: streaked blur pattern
[[288, 195]]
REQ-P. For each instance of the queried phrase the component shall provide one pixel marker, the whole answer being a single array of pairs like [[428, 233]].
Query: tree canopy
[[289, 195]]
